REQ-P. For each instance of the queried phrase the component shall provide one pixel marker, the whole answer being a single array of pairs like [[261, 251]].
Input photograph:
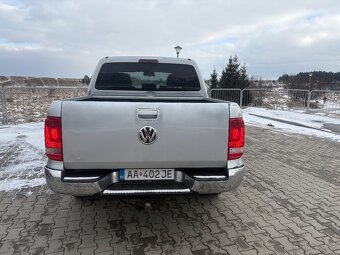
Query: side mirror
[[86, 80]]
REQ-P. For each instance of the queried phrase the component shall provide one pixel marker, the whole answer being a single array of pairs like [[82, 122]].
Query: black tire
[[211, 194]]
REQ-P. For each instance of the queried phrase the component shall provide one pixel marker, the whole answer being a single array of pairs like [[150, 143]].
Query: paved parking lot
[[289, 203]]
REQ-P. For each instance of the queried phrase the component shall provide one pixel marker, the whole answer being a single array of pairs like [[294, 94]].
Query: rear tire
[[79, 197], [211, 194], [82, 198]]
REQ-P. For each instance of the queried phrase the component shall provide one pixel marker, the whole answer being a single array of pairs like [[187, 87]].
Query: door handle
[[147, 114]]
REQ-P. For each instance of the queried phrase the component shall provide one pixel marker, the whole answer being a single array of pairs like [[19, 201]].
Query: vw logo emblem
[[147, 135]]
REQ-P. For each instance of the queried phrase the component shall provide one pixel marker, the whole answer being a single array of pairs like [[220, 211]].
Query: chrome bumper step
[[145, 192], [111, 185]]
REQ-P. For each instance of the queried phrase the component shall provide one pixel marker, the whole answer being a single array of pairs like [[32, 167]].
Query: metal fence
[[322, 101], [315, 101], [81, 92], [286, 99], [29, 104], [257, 97], [2, 108], [283, 99], [233, 95]]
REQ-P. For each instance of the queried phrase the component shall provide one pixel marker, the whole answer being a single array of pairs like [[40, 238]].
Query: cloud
[[67, 38]]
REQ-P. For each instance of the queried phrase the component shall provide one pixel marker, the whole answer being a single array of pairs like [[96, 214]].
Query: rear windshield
[[147, 77]]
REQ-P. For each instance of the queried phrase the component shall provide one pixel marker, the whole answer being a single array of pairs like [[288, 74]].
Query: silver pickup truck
[[147, 126]]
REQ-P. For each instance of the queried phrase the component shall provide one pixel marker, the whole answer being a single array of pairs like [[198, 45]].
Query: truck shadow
[[146, 223]]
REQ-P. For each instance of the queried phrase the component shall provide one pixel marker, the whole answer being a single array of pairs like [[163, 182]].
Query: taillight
[[148, 61], [53, 138], [236, 138]]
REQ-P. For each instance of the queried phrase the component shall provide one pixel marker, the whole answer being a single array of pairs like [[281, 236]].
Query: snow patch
[[33, 131], [15, 183], [24, 166], [314, 123]]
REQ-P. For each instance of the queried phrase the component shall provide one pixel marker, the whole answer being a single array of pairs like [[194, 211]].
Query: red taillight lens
[[148, 61], [53, 138], [236, 138]]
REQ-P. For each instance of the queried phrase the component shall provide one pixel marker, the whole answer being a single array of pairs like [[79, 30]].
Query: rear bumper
[[83, 186]]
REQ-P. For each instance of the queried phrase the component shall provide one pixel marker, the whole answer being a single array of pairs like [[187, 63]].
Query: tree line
[[312, 80]]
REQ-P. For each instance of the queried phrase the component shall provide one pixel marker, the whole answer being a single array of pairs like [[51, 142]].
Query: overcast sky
[[66, 38]]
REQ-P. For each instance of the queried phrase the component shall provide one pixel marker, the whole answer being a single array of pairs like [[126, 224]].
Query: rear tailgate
[[104, 134]]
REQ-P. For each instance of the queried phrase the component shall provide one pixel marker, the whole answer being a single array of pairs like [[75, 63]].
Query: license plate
[[146, 174]]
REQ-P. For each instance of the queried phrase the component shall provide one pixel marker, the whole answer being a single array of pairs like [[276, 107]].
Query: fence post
[[241, 97], [4, 109], [308, 100]]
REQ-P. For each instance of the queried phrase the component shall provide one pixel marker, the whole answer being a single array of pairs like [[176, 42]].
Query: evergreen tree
[[230, 77], [235, 76], [244, 80], [214, 80]]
